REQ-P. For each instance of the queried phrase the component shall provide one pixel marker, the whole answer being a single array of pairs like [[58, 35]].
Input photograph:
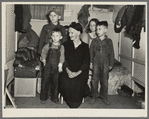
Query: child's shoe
[[55, 101], [106, 101], [43, 102], [92, 100]]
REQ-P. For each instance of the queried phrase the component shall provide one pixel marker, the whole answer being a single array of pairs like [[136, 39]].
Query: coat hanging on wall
[[22, 18], [132, 17], [28, 39], [116, 9], [83, 15]]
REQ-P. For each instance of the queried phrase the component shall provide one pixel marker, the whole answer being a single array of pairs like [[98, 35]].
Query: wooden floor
[[116, 102]]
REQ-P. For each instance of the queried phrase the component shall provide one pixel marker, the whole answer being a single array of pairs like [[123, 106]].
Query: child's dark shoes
[[106, 101], [43, 102], [92, 100]]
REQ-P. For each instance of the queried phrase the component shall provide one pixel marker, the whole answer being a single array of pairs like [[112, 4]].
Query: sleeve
[[92, 52], [41, 40], [84, 37], [65, 64], [86, 61], [44, 52], [62, 57], [111, 57], [64, 35]]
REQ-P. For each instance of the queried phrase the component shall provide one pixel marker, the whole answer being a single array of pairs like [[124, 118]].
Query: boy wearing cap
[[52, 57], [53, 16], [102, 60]]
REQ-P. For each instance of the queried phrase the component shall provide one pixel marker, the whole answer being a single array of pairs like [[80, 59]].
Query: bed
[[118, 76]]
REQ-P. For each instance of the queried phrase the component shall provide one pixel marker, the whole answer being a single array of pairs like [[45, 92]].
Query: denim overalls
[[103, 56], [50, 75]]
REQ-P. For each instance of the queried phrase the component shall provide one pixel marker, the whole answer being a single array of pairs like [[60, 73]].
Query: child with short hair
[[102, 60], [54, 15], [52, 57]]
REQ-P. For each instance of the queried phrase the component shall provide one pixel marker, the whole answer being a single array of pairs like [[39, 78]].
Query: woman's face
[[92, 26], [73, 34]]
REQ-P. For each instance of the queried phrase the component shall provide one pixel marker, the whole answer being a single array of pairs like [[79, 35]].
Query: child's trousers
[[100, 73], [49, 80]]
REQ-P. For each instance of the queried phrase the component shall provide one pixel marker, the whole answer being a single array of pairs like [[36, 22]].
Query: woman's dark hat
[[76, 26]]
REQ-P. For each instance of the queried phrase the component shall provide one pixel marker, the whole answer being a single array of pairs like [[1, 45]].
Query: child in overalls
[[53, 16], [52, 57], [102, 60]]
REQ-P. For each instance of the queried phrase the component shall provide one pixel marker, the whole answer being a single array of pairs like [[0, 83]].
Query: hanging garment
[[28, 39], [22, 18], [83, 15], [120, 21], [116, 9], [132, 18], [133, 29], [26, 17], [18, 18]]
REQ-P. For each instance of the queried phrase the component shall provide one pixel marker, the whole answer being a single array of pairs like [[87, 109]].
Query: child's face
[[56, 37], [54, 17], [92, 26], [101, 30]]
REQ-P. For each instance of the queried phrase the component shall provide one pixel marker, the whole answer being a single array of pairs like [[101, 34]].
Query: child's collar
[[105, 37], [54, 25]]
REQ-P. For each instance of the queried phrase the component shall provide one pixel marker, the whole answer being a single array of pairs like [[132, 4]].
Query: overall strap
[[50, 45]]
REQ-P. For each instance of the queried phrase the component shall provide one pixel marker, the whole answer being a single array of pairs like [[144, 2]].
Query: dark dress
[[74, 89]]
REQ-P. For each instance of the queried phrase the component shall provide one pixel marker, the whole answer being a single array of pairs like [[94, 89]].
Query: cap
[[56, 11], [76, 26]]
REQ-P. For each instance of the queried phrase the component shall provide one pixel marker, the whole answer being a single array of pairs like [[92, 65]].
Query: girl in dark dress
[[73, 80]]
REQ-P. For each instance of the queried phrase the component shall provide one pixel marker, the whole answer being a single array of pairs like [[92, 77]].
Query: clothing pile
[[26, 59]]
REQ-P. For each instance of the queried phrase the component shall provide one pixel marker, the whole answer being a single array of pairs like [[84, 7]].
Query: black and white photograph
[[74, 59]]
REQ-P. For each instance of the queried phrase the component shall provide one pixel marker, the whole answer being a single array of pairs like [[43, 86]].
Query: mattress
[[118, 76]]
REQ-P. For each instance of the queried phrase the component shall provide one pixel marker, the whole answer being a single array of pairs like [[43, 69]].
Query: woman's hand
[[73, 74], [70, 75]]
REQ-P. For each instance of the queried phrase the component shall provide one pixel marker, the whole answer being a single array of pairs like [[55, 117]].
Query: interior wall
[[10, 32], [70, 15], [10, 39], [134, 59], [8, 44]]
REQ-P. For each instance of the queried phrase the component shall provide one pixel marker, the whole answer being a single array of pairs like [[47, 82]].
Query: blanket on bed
[[117, 77]]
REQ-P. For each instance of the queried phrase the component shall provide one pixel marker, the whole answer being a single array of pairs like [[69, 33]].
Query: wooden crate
[[25, 87]]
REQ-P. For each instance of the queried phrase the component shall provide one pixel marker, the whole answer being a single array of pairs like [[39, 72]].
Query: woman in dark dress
[[73, 79]]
